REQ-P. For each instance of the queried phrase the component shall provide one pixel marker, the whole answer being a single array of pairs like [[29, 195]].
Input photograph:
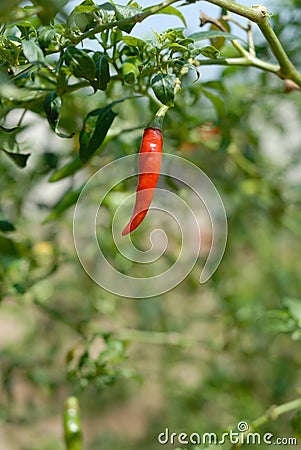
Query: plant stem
[[271, 414], [162, 338], [244, 61], [255, 14], [250, 40], [287, 68], [275, 411], [129, 20], [259, 15]]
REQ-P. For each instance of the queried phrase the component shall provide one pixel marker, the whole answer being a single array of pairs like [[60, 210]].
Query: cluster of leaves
[[87, 366], [42, 63]]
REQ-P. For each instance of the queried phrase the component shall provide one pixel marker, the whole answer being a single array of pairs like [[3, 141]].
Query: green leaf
[[69, 198], [92, 135], [294, 308], [46, 36], [218, 42], [25, 28], [79, 63], [9, 252], [212, 34], [130, 71], [6, 226], [107, 7], [94, 130], [52, 106], [69, 169], [163, 87], [84, 16], [32, 52], [102, 71], [134, 42], [210, 52], [173, 12], [19, 159], [125, 12], [177, 47]]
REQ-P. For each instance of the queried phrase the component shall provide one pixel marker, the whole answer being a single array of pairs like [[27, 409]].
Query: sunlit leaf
[[210, 52], [126, 12], [170, 10], [212, 34], [32, 52], [134, 42], [130, 71]]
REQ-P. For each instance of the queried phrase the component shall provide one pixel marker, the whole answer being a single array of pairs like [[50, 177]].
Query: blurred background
[[199, 358]]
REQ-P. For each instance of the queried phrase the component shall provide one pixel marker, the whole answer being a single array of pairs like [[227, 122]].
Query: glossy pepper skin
[[149, 163]]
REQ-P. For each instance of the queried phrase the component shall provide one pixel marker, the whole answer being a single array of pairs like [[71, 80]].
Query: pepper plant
[[81, 72]]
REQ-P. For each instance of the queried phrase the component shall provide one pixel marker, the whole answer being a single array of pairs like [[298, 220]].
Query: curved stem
[[259, 15], [255, 13], [271, 414]]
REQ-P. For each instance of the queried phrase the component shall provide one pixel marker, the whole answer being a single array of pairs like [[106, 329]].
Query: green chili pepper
[[72, 425]]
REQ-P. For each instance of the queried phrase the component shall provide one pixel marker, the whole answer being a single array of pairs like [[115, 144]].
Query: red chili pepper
[[149, 162]]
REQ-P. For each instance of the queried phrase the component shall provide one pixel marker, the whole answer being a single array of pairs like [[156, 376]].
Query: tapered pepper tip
[[127, 229]]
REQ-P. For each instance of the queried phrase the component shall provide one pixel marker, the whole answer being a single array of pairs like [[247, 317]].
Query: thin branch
[[251, 40], [228, 17], [204, 19], [259, 15], [275, 411], [242, 62], [162, 338], [119, 23], [271, 414], [286, 66]]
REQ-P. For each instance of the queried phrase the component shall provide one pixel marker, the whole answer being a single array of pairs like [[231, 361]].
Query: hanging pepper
[[149, 163]]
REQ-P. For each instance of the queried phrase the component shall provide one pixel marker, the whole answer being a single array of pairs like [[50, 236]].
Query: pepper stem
[[157, 121]]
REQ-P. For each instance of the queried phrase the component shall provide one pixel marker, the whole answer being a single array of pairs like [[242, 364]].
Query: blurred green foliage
[[200, 358]]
